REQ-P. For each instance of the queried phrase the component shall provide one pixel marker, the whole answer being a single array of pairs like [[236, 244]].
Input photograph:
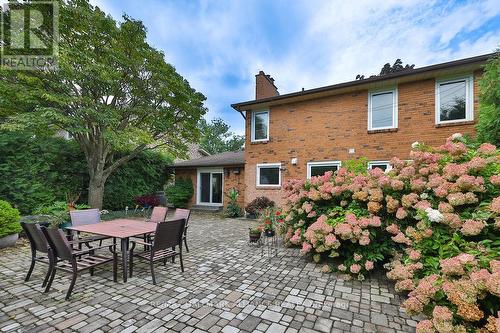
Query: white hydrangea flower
[[424, 196], [415, 144], [434, 215], [456, 136]]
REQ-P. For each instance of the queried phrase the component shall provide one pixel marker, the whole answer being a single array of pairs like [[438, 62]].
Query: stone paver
[[226, 286]]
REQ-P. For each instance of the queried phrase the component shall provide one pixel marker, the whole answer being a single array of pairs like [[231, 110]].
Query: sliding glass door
[[210, 187]]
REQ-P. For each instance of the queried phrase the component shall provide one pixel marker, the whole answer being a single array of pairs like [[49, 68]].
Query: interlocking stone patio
[[227, 286]]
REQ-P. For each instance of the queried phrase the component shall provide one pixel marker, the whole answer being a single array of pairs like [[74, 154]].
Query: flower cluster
[[432, 214]]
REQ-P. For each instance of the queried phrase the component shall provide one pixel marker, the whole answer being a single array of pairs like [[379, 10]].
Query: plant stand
[[270, 246]]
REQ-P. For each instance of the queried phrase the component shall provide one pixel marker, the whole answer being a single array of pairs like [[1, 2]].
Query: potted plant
[[271, 219], [257, 205], [9, 224], [255, 234], [232, 209]]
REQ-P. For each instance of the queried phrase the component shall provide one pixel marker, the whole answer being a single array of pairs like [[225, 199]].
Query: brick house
[[306, 133]]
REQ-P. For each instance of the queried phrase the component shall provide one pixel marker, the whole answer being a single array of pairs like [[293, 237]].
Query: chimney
[[264, 86]]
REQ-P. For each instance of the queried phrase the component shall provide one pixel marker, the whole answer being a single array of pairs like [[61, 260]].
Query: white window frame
[[394, 92], [253, 125], [372, 163], [338, 164], [469, 98], [267, 165]]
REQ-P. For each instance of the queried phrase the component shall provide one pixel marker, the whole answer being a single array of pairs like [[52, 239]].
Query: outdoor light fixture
[[352, 150], [294, 161]]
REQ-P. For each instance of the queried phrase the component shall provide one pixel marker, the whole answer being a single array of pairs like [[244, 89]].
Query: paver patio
[[227, 286]]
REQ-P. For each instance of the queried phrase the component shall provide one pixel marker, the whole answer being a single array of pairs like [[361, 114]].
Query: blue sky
[[219, 45]]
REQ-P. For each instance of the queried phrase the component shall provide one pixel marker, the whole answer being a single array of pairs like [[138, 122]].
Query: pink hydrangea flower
[[306, 247], [342, 268], [414, 255], [472, 227], [425, 326], [487, 148], [369, 265], [401, 213], [392, 229], [355, 268], [357, 257], [495, 180]]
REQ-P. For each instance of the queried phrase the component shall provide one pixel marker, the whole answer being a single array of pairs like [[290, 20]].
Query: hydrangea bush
[[433, 222]]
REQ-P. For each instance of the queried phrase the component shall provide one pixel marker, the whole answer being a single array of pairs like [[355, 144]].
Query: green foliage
[[145, 174], [232, 209], [359, 165], [38, 171], [113, 92], [57, 211], [216, 137], [9, 219], [488, 126], [179, 193], [257, 205]]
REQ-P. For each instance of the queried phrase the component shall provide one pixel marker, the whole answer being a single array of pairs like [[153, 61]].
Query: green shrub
[[258, 204], [488, 126], [38, 171], [359, 165], [9, 219], [145, 174], [57, 211], [232, 209], [180, 192]]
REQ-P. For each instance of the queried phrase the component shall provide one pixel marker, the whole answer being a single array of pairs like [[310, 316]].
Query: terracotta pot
[[8, 241]]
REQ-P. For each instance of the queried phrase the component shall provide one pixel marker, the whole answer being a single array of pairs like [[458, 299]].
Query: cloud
[[220, 45]]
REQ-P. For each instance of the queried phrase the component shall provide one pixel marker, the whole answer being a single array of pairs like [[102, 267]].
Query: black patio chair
[[183, 214], [41, 250], [168, 236], [75, 261], [38, 243]]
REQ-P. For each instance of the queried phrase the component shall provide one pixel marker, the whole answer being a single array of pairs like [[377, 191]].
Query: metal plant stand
[[270, 246]]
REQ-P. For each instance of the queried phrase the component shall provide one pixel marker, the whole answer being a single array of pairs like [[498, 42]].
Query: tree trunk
[[96, 191]]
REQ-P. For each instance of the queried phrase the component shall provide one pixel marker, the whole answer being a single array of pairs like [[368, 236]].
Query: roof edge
[[440, 66]]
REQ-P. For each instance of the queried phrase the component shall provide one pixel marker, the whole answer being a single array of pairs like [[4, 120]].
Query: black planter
[[254, 237], [269, 233]]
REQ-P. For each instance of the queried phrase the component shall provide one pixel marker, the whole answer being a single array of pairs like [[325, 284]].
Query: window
[[383, 109], [260, 126], [269, 174], [384, 165], [319, 168], [454, 100]]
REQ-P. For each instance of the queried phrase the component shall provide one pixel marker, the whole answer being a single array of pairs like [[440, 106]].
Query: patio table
[[119, 228]]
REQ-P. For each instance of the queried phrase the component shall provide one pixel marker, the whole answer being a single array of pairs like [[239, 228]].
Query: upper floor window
[[454, 100], [383, 109], [269, 174], [384, 165], [320, 168], [260, 126]]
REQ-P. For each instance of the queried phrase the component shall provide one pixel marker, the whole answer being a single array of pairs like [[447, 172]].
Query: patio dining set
[[74, 250]]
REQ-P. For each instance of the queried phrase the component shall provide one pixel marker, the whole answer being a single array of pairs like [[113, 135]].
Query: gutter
[[240, 107]]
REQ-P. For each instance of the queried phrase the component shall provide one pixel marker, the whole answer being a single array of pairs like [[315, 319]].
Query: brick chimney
[[264, 86]]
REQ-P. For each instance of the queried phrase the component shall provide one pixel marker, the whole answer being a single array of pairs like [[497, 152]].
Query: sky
[[219, 45]]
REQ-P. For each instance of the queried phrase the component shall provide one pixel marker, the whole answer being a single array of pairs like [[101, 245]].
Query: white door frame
[[199, 171]]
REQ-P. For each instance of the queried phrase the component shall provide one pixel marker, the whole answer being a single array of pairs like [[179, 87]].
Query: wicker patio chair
[[75, 261], [168, 236]]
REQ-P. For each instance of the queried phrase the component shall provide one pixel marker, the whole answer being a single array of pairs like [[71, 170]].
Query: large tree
[[217, 138], [113, 93]]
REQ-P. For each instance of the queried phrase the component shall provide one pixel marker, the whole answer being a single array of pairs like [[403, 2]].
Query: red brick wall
[[231, 180], [325, 129], [237, 181], [264, 86]]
